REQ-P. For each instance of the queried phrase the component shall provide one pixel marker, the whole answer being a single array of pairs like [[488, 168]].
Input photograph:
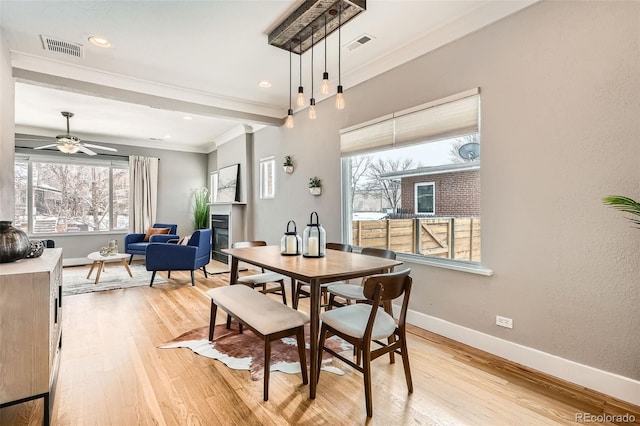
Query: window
[[409, 186], [213, 184], [267, 178], [56, 196], [424, 198]]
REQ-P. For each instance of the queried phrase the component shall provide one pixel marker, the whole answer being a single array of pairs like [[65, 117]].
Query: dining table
[[334, 266]]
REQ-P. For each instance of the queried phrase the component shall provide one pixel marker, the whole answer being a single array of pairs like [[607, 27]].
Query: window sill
[[455, 265], [73, 234]]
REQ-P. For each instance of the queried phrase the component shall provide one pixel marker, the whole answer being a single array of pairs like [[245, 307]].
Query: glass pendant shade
[[288, 123], [324, 88], [340, 104], [312, 110], [300, 97], [291, 243], [314, 238]]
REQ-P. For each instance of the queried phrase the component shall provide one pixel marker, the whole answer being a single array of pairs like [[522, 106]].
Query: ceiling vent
[[364, 38], [61, 46]]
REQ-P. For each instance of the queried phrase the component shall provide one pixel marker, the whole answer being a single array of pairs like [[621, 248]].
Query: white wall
[[560, 127], [7, 125]]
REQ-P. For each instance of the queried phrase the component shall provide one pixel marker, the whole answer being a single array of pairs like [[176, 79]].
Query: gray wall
[[7, 125], [559, 86], [179, 174]]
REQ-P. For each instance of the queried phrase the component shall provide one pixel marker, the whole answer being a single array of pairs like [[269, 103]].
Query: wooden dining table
[[335, 266]]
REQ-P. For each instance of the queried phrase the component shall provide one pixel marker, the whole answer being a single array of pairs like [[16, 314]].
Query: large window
[[55, 196], [267, 178], [411, 181]]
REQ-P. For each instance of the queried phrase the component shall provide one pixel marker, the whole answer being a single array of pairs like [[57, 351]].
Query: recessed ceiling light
[[264, 83], [186, 117], [100, 41], [167, 136]]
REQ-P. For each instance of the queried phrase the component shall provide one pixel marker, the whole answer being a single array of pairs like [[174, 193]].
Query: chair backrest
[[245, 244], [372, 251], [173, 228], [202, 240], [383, 288], [340, 247]]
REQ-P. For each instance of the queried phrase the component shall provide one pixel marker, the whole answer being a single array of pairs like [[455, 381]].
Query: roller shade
[[449, 117]]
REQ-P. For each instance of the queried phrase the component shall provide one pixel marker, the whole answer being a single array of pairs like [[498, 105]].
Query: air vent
[[364, 38], [61, 46]]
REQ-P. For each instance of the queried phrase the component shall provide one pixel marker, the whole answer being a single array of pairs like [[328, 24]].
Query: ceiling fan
[[71, 144]]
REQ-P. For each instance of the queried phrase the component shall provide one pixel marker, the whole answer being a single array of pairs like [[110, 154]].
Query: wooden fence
[[445, 237]]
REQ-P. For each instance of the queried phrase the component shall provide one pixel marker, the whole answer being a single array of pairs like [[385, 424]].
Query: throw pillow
[[153, 231], [184, 240]]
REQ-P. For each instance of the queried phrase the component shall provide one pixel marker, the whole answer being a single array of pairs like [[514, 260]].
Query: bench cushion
[[265, 277], [257, 310]]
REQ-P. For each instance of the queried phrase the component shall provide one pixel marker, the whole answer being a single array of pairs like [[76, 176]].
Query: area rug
[[114, 276], [246, 351]]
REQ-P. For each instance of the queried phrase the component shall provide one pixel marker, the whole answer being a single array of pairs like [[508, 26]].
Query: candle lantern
[[291, 243], [314, 239]]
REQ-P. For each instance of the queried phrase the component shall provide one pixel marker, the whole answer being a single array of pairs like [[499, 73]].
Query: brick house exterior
[[456, 188]]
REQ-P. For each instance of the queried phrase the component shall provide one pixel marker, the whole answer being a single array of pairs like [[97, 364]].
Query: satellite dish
[[469, 151]]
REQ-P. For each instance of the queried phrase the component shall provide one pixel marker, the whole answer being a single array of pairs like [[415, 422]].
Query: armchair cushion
[[153, 231], [135, 243]]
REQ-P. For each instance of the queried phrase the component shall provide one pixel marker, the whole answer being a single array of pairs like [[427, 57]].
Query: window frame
[[111, 165], [415, 197], [263, 170]]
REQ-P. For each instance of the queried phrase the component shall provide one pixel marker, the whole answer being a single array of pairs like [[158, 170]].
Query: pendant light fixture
[[339, 97], [288, 123], [324, 89], [300, 98], [312, 102]]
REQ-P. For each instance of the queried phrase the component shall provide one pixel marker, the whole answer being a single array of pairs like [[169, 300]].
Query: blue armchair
[[176, 257], [135, 244]]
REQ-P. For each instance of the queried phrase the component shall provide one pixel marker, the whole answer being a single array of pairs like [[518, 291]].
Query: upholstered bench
[[264, 316]]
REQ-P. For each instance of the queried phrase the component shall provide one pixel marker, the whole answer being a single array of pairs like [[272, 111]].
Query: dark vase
[[14, 243]]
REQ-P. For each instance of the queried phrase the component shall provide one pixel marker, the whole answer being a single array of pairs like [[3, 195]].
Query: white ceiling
[[207, 56]]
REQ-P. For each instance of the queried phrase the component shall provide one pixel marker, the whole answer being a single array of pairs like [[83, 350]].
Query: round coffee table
[[100, 260]]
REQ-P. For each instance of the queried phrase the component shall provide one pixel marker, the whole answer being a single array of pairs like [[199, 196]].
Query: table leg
[[126, 266], [233, 277], [93, 265], [100, 268], [315, 325]]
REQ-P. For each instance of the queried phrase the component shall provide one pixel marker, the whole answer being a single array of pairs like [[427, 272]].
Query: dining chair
[[301, 289], [263, 278], [353, 292], [363, 323]]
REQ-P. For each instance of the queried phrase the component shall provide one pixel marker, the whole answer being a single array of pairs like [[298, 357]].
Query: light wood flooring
[[111, 373]]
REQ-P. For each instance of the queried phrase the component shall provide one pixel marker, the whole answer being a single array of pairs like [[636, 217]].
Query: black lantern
[[314, 239], [290, 243]]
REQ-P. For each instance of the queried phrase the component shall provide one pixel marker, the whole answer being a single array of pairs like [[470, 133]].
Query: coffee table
[[100, 260]]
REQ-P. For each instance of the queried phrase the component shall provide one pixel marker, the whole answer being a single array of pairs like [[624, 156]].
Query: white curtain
[[143, 192]]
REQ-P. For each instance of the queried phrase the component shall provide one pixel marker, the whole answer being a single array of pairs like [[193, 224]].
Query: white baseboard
[[608, 383]]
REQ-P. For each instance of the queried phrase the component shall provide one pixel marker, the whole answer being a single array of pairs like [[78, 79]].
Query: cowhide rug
[[246, 351]]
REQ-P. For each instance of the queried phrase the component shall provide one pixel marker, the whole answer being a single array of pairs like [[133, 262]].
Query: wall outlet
[[504, 322]]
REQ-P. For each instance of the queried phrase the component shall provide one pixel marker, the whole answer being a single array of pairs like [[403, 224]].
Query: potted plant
[[288, 164], [315, 185], [201, 208], [624, 204]]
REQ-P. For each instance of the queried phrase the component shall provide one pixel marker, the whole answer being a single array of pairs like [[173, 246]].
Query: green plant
[[201, 208], [624, 204], [288, 161], [315, 182]]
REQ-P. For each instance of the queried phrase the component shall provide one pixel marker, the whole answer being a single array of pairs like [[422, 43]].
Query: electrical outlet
[[504, 322]]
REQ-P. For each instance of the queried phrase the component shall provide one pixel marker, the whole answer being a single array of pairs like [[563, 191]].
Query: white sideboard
[[30, 329]]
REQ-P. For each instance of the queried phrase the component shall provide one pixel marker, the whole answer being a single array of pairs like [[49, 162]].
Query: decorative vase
[[36, 248], [315, 190], [14, 243], [288, 169]]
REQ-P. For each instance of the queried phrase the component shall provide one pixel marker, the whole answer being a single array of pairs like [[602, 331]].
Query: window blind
[[449, 117]]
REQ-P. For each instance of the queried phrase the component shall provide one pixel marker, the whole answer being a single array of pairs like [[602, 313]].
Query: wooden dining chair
[[265, 277], [363, 323], [301, 289], [353, 292]]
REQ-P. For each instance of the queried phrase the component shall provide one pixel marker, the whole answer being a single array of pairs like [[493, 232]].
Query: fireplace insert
[[220, 237]]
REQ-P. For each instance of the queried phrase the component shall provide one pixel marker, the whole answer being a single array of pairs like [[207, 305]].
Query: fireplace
[[220, 237]]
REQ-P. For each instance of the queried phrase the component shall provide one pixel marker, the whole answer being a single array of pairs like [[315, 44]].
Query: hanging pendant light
[[288, 123], [312, 102], [339, 97], [324, 89], [300, 98]]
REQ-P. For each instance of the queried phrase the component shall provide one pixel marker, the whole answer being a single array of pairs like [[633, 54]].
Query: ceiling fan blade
[[86, 150], [100, 147], [46, 146]]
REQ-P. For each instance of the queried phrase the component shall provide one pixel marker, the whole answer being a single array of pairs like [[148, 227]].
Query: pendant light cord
[[300, 61], [325, 43], [290, 74], [311, 63], [339, 43]]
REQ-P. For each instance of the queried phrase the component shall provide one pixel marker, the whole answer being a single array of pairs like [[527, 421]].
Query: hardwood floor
[[112, 373]]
